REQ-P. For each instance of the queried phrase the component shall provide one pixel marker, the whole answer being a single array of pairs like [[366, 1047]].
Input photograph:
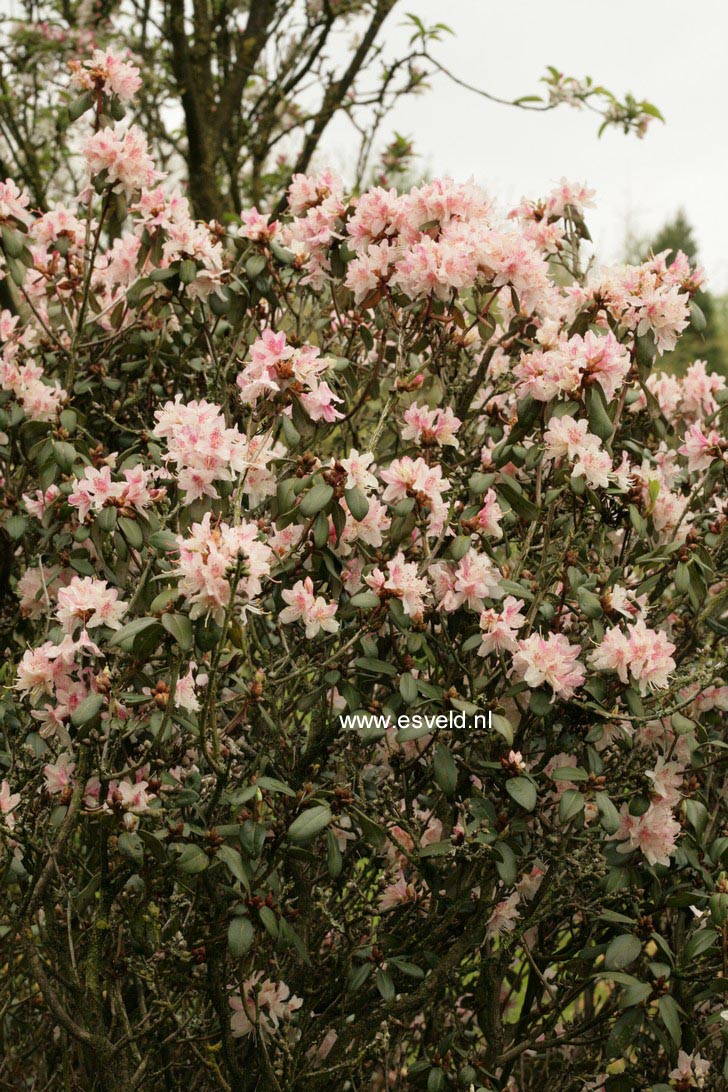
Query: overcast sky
[[668, 51]]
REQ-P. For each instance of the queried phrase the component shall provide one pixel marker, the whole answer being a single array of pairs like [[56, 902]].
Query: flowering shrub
[[364, 616]]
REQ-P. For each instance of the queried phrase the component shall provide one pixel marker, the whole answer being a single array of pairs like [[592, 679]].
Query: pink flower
[[595, 467], [700, 450], [8, 802], [262, 1007], [430, 427], [396, 894], [107, 72], [96, 489], [185, 696], [269, 356], [504, 917], [369, 530], [207, 554], [654, 833], [644, 654], [376, 215], [530, 882], [357, 470], [500, 627], [315, 613], [124, 160], [413, 477], [550, 660], [44, 668], [201, 444], [667, 778], [42, 500], [318, 403], [601, 357], [89, 603], [565, 436], [256, 226], [133, 797], [691, 1070], [13, 203], [59, 775], [699, 388], [403, 581], [40, 400], [476, 578], [490, 515]]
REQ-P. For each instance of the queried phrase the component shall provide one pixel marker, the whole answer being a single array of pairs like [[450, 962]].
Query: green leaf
[[570, 773], [622, 951], [408, 688], [372, 831], [273, 784], [624, 1032], [506, 866], [132, 532], [255, 265], [164, 541], [518, 502], [385, 985], [234, 862], [107, 519], [358, 977], [357, 502], [377, 667], [459, 547], [316, 499], [445, 771], [180, 628], [436, 1080], [681, 725], [192, 860], [16, 526], [699, 942], [64, 454], [523, 791], [589, 602], [503, 726], [608, 814], [697, 815], [410, 969], [539, 703], [87, 710], [130, 845], [334, 860], [697, 318], [81, 104], [364, 600], [570, 804], [241, 935], [670, 1013], [308, 824], [125, 636], [270, 921], [187, 271], [600, 423]]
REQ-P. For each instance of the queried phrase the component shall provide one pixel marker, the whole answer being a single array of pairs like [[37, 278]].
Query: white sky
[[671, 52]]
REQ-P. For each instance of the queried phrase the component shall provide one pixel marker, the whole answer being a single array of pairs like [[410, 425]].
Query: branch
[[250, 46], [336, 92]]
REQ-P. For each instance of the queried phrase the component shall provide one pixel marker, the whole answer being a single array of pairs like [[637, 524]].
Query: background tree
[[710, 343], [237, 96]]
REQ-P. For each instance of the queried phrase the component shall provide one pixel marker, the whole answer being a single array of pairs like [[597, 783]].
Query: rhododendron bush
[[364, 619]]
